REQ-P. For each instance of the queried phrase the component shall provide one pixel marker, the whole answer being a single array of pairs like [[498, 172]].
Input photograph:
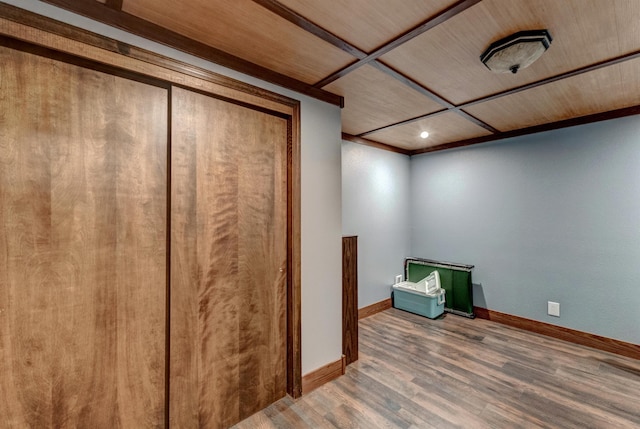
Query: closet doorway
[[150, 237]]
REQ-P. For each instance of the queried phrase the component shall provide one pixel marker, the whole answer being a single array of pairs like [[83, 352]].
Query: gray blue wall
[[375, 207], [550, 216]]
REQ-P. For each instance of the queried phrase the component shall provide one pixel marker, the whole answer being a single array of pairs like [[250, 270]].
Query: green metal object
[[455, 279]]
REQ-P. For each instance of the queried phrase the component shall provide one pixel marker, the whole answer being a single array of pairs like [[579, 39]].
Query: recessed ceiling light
[[424, 134]]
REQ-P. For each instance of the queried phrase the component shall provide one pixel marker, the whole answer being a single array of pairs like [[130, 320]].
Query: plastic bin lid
[[431, 283]]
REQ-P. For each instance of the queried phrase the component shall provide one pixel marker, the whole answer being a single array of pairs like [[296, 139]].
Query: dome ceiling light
[[517, 51]]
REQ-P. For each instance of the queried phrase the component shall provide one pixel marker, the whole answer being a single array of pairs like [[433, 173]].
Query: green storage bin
[[454, 278]]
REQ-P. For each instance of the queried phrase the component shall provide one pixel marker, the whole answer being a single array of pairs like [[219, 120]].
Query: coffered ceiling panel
[[367, 24], [394, 62], [443, 128], [446, 58], [248, 31], [373, 100], [594, 92]]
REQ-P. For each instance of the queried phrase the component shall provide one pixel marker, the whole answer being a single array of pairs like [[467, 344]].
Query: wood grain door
[[82, 247], [228, 261]]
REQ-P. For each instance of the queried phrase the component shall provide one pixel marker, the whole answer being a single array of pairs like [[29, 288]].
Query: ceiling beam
[[70, 32], [427, 25], [114, 4], [458, 108], [372, 59], [140, 27], [111, 13], [412, 83], [475, 120], [430, 94], [367, 142], [405, 122], [576, 72], [302, 22], [582, 120]]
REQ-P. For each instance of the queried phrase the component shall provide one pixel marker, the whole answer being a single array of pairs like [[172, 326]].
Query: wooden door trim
[[43, 31], [350, 298], [167, 325], [46, 52], [227, 99], [25, 31], [112, 15], [294, 267]]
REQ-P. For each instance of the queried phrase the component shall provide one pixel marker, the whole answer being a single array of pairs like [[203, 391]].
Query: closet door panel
[[82, 247], [228, 261]]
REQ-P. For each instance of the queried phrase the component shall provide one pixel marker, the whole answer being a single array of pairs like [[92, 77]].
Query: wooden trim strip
[[475, 120], [405, 122], [323, 375], [302, 22], [62, 30], [114, 4], [87, 63], [232, 100], [350, 298], [586, 69], [360, 140], [294, 269], [582, 120], [427, 25], [428, 93], [372, 309], [151, 31], [577, 337], [459, 109], [167, 322], [81, 51], [411, 83], [342, 72]]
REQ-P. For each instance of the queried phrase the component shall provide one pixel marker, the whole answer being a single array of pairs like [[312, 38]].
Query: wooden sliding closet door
[[228, 261], [82, 247]]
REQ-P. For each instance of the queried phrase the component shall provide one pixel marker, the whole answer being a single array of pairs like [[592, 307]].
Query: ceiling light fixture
[[517, 51], [424, 134]]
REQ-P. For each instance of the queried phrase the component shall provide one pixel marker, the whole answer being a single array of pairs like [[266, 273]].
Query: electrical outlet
[[398, 278], [553, 308]]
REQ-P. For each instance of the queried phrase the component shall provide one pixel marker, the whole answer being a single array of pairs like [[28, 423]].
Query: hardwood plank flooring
[[452, 372]]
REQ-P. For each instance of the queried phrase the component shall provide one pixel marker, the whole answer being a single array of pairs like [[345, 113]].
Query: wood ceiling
[[402, 67]]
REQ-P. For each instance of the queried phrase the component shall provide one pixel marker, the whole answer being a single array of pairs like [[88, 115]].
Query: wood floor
[[455, 372]]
